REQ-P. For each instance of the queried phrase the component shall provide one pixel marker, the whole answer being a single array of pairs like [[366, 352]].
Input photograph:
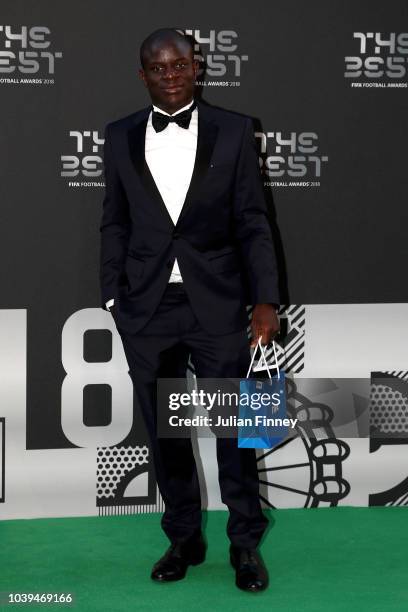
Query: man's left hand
[[265, 323]]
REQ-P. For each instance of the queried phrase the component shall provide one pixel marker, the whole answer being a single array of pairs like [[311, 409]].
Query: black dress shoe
[[250, 571], [175, 561]]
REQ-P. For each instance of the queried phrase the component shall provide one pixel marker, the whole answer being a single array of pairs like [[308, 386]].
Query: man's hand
[[265, 323]]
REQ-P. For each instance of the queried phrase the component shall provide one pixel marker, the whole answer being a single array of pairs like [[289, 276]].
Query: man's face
[[169, 74]]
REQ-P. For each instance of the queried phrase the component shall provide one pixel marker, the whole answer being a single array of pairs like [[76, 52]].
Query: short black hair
[[164, 35]]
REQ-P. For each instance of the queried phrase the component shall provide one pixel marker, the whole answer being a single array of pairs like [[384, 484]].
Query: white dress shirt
[[170, 155]]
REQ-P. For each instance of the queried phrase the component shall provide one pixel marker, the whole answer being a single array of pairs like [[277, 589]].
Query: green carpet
[[333, 559]]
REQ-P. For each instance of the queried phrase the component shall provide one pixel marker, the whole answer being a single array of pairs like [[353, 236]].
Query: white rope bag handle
[[276, 366]]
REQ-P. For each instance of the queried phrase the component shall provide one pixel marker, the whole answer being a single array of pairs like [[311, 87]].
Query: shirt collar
[[180, 110]]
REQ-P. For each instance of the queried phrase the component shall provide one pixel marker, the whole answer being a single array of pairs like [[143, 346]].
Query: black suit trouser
[[161, 350]]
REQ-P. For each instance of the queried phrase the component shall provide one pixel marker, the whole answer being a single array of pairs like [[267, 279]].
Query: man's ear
[[142, 75]]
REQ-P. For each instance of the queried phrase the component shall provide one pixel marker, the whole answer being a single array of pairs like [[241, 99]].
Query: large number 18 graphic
[[80, 373]]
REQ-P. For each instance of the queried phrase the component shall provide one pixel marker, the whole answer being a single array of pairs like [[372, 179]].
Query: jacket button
[[176, 235]]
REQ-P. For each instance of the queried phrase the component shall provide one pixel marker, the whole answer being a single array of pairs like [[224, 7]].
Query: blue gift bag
[[262, 407]]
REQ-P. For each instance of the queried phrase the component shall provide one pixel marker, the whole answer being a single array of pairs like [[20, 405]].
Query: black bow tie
[[161, 121]]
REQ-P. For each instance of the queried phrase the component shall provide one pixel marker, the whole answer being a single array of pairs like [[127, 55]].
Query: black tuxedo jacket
[[222, 238]]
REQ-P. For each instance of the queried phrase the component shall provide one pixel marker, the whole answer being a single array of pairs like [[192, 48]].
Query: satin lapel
[[206, 138], [136, 139]]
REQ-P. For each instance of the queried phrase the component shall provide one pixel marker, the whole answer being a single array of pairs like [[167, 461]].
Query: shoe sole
[[168, 579]]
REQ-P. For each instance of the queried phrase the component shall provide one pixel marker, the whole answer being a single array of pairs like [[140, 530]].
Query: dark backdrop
[[341, 238]]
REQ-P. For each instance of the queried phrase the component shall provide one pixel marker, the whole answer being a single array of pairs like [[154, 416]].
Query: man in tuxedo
[[185, 246]]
